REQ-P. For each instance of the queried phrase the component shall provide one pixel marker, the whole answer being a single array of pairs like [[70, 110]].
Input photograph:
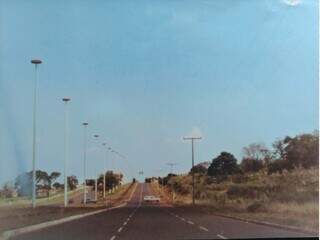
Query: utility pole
[[192, 170]]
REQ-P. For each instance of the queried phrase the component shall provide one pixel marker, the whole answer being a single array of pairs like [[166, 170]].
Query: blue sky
[[146, 73]]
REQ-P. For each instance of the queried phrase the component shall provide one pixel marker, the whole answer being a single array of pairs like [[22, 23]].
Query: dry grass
[[290, 198]]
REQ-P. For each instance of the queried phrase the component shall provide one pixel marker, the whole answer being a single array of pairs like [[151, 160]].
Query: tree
[[50, 179], [198, 169], [23, 182], [299, 151], [251, 165], [112, 179], [224, 164], [7, 191], [302, 150], [72, 182], [257, 151]]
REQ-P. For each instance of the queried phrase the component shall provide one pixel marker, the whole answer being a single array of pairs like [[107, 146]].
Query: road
[[139, 220]]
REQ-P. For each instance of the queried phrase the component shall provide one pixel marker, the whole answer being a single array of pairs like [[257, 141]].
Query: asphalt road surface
[[140, 220]]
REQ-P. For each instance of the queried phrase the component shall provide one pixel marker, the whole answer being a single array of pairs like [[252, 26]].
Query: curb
[[275, 225], [11, 233]]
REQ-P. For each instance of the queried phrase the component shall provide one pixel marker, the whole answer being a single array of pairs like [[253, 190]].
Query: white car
[[151, 198]]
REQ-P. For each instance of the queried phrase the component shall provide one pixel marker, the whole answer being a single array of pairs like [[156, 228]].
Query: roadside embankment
[[289, 199]]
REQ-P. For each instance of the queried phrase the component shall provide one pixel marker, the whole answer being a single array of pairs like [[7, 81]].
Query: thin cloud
[[292, 2]]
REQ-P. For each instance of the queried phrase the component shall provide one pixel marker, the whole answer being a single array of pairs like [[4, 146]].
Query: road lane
[[230, 228], [141, 220], [99, 226]]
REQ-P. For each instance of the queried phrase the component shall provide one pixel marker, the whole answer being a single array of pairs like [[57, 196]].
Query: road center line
[[220, 236]]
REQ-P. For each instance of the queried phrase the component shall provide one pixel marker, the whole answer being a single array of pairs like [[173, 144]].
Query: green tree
[[112, 179], [224, 164], [199, 168], [302, 150]]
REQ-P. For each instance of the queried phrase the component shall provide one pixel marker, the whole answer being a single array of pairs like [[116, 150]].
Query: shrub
[[239, 178], [256, 207]]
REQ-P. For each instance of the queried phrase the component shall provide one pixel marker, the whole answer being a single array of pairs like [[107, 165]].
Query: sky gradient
[[146, 73]]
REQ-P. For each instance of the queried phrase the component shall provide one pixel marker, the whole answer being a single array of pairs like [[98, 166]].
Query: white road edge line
[[220, 236], [204, 229]]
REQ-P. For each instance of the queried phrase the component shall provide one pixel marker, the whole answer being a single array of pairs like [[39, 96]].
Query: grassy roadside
[[26, 201], [288, 199], [17, 216]]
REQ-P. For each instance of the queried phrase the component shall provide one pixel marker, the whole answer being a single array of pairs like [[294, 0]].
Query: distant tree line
[[45, 182], [112, 180]]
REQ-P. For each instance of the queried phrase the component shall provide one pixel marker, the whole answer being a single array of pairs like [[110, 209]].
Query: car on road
[[151, 198]]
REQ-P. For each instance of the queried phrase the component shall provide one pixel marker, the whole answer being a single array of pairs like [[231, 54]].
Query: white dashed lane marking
[[113, 237], [190, 222], [220, 236], [120, 229], [204, 229]]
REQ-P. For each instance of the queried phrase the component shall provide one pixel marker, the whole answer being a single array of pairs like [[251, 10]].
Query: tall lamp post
[[96, 136], [85, 125], [36, 62], [66, 136], [104, 171], [192, 170]]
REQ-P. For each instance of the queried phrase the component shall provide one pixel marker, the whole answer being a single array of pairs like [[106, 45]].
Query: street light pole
[[66, 100], [85, 124], [36, 62], [104, 171], [96, 180], [192, 170]]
